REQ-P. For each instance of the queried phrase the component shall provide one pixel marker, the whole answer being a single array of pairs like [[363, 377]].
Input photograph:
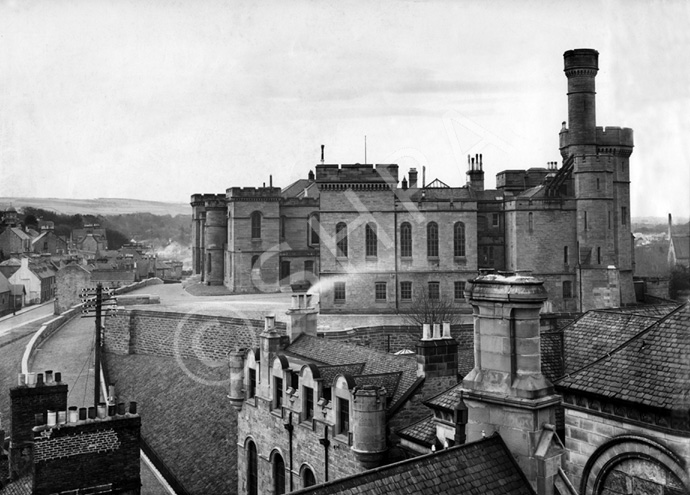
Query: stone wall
[[588, 433], [178, 334]]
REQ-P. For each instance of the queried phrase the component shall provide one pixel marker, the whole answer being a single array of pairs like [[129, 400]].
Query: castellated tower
[[599, 160]]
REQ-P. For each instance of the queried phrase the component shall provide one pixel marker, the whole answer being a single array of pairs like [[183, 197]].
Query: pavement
[[27, 314]]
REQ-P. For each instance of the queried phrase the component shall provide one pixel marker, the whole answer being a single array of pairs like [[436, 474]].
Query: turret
[[581, 67], [215, 234], [369, 424], [236, 392]]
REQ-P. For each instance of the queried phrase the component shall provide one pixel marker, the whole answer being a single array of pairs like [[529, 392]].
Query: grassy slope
[[100, 206]]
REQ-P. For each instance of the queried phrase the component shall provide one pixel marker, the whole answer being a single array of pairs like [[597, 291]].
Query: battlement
[[585, 59], [521, 180], [357, 173], [201, 199], [252, 193], [300, 201], [614, 136]]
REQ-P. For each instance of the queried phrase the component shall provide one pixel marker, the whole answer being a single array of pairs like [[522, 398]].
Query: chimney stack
[[322, 152], [302, 317], [475, 172], [413, 178]]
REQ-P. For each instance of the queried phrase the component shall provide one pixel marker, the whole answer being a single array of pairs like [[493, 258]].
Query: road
[[26, 315]]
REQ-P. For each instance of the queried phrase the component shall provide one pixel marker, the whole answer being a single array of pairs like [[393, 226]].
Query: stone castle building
[[372, 240]]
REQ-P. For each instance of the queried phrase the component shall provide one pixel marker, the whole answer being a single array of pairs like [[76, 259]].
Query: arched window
[[256, 225], [252, 469], [459, 239], [341, 239], [432, 240], [371, 240], [406, 240], [313, 230], [308, 478], [278, 474]]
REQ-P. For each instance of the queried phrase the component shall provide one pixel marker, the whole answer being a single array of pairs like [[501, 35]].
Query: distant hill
[[99, 206]]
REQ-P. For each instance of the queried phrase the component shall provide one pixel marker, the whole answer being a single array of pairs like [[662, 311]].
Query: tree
[[429, 309], [680, 282]]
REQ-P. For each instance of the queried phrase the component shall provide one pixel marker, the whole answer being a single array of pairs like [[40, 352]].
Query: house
[[14, 241], [18, 272], [90, 239], [679, 247], [48, 242], [6, 296]]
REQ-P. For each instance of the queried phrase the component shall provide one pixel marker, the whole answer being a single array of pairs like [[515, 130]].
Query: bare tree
[[427, 309]]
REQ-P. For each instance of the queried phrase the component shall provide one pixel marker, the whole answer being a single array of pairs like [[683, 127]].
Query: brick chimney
[[437, 358], [302, 317], [413, 178]]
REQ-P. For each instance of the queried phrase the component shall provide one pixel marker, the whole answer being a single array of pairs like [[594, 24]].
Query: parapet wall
[[357, 173], [252, 193], [179, 334], [614, 136]]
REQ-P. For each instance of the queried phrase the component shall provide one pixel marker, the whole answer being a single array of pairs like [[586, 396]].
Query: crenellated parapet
[[214, 201], [349, 175], [614, 136], [253, 194], [300, 202]]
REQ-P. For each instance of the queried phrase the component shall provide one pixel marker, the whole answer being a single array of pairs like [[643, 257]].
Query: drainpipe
[[325, 442], [395, 236], [289, 428]]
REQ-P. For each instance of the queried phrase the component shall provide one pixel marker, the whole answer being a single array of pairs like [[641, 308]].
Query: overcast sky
[[162, 99]]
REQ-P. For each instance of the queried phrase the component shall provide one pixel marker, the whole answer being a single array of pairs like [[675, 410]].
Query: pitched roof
[[484, 467], [681, 246], [376, 362], [328, 373], [447, 400], [654, 310], [651, 369], [597, 332], [422, 432]]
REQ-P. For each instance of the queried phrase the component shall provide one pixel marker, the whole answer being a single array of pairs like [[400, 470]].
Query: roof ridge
[[641, 333]]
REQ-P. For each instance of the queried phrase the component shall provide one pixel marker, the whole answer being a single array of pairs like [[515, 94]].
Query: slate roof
[[389, 381], [446, 400], [22, 486], [655, 310], [422, 432], [328, 373], [650, 369], [5, 285], [484, 467], [597, 332], [330, 352]]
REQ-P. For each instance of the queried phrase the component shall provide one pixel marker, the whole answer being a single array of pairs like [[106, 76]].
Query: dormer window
[[307, 403], [343, 416]]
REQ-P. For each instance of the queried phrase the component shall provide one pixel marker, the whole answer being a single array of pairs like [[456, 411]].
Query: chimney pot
[[102, 409], [92, 412], [39, 379], [39, 419], [322, 152], [437, 331], [49, 376], [21, 379], [270, 321], [72, 414], [446, 330], [426, 331], [120, 408], [52, 418], [82, 414], [58, 377], [31, 378], [132, 407], [111, 410], [62, 417]]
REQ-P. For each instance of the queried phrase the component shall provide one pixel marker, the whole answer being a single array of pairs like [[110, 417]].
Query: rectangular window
[[460, 290], [406, 291], [285, 271], [277, 392], [434, 290], [567, 289], [371, 240], [339, 292], [308, 268], [251, 386], [326, 393], [380, 291], [294, 380], [585, 220], [343, 416], [624, 215], [307, 403], [598, 256], [565, 255], [494, 219]]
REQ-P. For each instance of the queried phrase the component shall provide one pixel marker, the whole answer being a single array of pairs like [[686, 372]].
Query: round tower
[[369, 425], [215, 234], [581, 67], [236, 392]]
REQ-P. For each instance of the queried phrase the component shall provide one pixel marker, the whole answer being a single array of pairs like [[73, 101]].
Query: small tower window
[[341, 240], [624, 215], [598, 185], [586, 226], [565, 255], [530, 221], [567, 289], [256, 225], [598, 255]]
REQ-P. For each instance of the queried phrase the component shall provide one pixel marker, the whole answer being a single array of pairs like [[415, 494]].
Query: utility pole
[[93, 301]]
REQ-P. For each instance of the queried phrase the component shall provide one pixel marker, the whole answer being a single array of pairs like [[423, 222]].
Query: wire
[[88, 360]]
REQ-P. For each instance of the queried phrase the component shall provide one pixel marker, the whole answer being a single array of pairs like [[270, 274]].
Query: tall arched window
[[406, 240], [432, 240], [256, 225], [308, 478], [371, 240], [314, 230], [341, 239], [252, 469], [278, 474], [459, 239]]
